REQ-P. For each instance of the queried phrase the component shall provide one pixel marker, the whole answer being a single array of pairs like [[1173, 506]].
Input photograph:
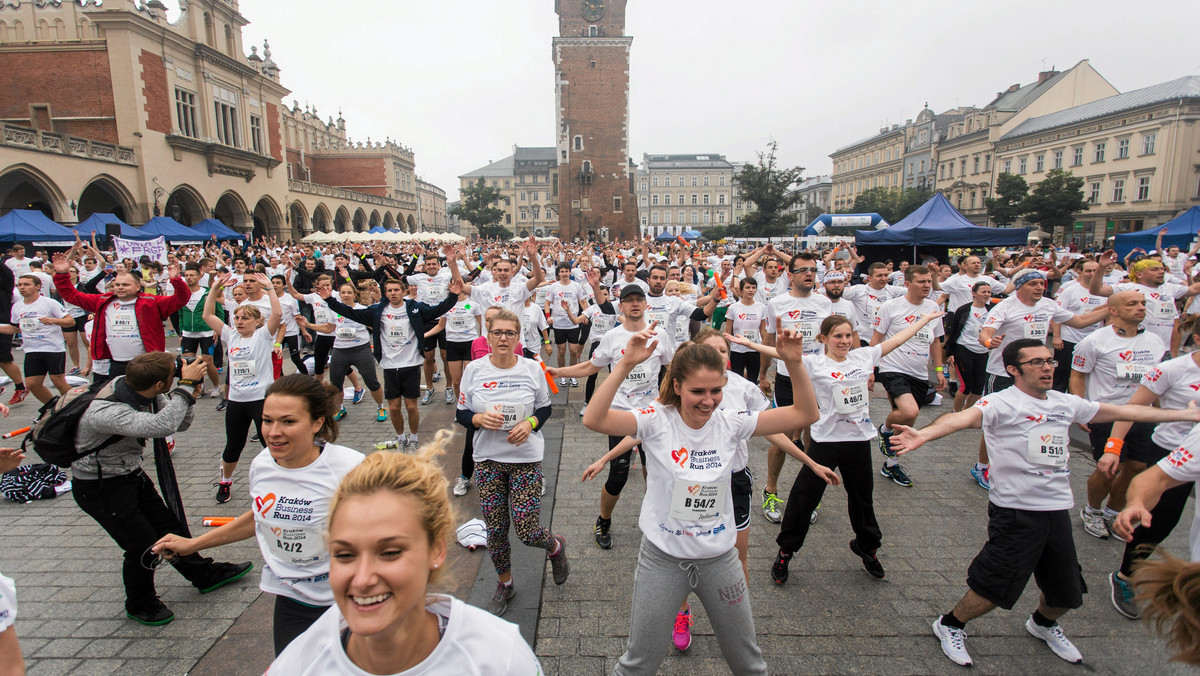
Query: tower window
[[578, 143], [593, 32]]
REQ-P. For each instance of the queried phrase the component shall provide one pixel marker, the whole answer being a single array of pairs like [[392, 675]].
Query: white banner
[[155, 248]]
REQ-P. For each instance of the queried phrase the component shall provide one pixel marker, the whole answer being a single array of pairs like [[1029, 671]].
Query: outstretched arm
[[907, 439]]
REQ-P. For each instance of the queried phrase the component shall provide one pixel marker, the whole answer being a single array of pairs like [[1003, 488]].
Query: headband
[[1143, 264], [835, 277], [1024, 277]]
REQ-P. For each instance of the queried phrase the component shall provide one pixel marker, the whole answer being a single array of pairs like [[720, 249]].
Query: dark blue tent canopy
[[165, 226], [825, 221], [665, 236], [376, 230], [1180, 231], [96, 223], [691, 235], [29, 225], [937, 223], [211, 226]]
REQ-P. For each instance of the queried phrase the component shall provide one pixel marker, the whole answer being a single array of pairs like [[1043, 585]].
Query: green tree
[[771, 189], [1009, 204], [716, 232], [1055, 201], [883, 201], [476, 206], [910, 200]]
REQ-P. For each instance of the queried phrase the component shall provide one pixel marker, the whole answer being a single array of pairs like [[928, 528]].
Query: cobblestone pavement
[[831, 617]]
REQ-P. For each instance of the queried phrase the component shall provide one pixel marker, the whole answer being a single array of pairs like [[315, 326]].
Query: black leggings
[[468, 459], [1062, 372], [971, 368], [854, 458], [745, 364], [590, 386], [292, 343], [618, 467], [1163, 519], [321, 346], [291, 619], [238, 417]]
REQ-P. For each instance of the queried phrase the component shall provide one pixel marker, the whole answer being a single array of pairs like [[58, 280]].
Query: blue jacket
[[372, 317]]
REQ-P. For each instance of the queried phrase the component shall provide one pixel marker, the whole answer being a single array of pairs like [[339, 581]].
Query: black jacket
[[419, 314]]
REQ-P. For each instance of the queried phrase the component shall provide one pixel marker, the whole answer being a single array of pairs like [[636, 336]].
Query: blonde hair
[[1170, 590], [707, 332], [689, 358], [503, 315], [419, 476], [251, 312]]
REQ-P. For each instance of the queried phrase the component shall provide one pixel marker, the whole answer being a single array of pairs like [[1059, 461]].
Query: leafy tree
[[1055, 201], [1012, 192], [476, 207], [715, 233], [771, 190], [883, 201]]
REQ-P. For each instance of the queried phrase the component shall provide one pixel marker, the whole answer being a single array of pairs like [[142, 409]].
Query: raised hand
[[641, 345], [789, 344], [61, 264]]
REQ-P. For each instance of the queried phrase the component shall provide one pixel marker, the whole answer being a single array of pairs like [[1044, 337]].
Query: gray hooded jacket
[[134, 424]]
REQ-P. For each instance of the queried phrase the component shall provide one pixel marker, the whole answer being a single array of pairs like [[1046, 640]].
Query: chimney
[[1046, 75], [1013, 88], [908, 122]]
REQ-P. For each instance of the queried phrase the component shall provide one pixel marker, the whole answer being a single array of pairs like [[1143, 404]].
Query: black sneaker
[[870, 561], [223, 489], [779, 570], [152, 613], [603, 539], [222, 404], [221, 574], [558, 562], [255, 438], [897, 474]]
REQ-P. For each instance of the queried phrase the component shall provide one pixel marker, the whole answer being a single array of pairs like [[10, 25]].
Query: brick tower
[[591, 61]]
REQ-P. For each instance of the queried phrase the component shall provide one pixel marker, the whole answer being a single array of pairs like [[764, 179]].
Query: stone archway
[[375, 221], [24, 187], [360, 221], [389, 223], [268, 220], [321, 220], [341, 221], [105, 195], [232, 212], [412, 223], [186, 206], [297, 219]]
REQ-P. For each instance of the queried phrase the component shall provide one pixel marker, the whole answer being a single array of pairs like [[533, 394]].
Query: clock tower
[[591, 63]]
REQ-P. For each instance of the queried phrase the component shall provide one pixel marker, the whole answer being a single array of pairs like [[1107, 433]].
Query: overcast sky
[[462, 81]]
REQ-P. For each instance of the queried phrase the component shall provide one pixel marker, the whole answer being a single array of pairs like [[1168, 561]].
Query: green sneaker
[[771, 507]]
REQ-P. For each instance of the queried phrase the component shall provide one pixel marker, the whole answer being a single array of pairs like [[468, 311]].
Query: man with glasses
[[802, 310], [1030, 502]]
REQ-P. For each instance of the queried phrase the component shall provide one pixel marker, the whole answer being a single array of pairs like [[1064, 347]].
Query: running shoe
[[603, 537], [1093, 522], [870, 561], [75, 371], [885, 439], [954, 642], [223, 491], [411, 445], [573, 382], [582, 409], [427, 397], [18, 396], [982, 477], [1122, 597], [437, 376], [340, 414], [562, 382], [382, 415], [255, 438], [779, 570], [152, 613], [1056, 639], [499, 602], [358, 394], [449, 395], [812, 518], [771, 507], [682, 634], [223, 404], [937, 399], [214, 392], [221, 574], [896, 473], [1110, 518], [461, 484], [560, 567]]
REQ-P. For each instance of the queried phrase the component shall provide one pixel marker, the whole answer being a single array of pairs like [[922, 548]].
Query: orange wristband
[[1114, 446]]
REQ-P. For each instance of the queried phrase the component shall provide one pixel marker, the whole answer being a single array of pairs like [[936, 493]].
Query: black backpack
[[53, 434]]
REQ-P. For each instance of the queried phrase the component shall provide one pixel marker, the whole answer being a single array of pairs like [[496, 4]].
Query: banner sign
[[155, 248], [850, 221]]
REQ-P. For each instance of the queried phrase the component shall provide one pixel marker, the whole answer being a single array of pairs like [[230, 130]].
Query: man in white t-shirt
[[431, 286], [1161, 314], [40, 321], [1077, 298], [868, 297], [19, 264], [502, 290], [1029, 515], [833, 287], [957, 289], [565, 299]]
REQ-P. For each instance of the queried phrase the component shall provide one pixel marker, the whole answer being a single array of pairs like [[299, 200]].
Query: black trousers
[[291, 619], [745, 364], [292, 343], [239, 416], [1163, 519], [856, 462], [1062, 372], [129, 508]]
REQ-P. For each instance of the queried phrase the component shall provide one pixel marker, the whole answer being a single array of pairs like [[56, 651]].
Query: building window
[[667, 217], [1039, 162], [256, 143], [695, 217], [972, 199], [680, 199], [694, 183], [524, 214], [654, 200], [1021, 165], [522, 197], [185, 110], [695, 199], [706, 180], [962, 168], [680, 181], [941, 172], [720, 217], [641, 186], [1118, 190], [922, 165], [1077, 156], [578, 143], [1148, 143], [654, 217], [1058, 159], [225, 108], [1143, 192], [987, 162], [721, 197], [1099, 155], [706, 198], [593, 32], [1122, 148], [960, 201], [682, 217], [654, 181], [642, 202], [975, 165], [721, 180], [616, 203], [1094, 193]]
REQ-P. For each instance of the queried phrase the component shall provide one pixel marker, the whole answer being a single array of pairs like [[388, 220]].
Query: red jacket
[[150, 311]]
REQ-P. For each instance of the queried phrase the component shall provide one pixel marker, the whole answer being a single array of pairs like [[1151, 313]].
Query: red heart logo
[[680, 456], [1125, 355], [264, 504]]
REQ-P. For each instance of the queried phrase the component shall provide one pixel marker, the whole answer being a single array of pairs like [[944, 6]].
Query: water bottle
[[384, 445]]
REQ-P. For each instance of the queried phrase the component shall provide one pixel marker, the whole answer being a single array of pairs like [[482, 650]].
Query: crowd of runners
[[704, 347]]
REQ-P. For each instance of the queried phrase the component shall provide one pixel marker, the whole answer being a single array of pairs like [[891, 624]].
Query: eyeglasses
[[803, 270], [1039, 363], [503, 334]]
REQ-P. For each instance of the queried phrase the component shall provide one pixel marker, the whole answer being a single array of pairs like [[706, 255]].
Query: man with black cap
[[639, 389]]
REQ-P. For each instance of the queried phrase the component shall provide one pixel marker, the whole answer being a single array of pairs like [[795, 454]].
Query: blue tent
[[376, 230], [211, 226], [937, 223], [1180, 231], [28, 225], [691, 235], [844, 221], [96, 223], [165, 226], [665, 236]]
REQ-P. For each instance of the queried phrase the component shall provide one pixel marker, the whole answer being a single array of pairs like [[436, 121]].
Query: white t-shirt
[[398, 339], [1181, 464], [1015, 320], [1176, 382], [322, 314], [867, 300], [290, 506], [556, 293], [250, 370], [515, 393], [263, 304], [1077, 300], [533, 320], [462, 322], [959, 288], [348, 333], [640, 387], [747, 322], [622, 283], [769, 290], [968, 337], [844, 308], [742, 395], [39, 337], [670, 312], [1115, 364], [475, 643], [121, 330], [913, 357], [288, 308], [511, 297], [431, 290], [1160, 306], [688, 508], [8, 603], [804, 315], [601, 323], [1028, 443], [843, 395]]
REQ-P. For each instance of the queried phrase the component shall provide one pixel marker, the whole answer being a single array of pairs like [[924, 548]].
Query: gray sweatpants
[[661, 583]]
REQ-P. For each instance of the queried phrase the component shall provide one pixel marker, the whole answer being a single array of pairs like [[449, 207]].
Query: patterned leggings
[[505, 486]]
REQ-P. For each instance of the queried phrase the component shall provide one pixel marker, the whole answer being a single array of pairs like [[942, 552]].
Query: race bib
[[541, 294], [850, 398], [512, 414], [461, 324], [297, 545], [924, 335], [602, 324], [1047, 448], [30, 325], [345, 333], [639, 376], [1132, 371], [660, 317], [241, 371], [808, 329], [436, 292], [124, 320], [693, 501], [1037, 330], [750, 335], [1164, 309], [323, 316], [397, 333]]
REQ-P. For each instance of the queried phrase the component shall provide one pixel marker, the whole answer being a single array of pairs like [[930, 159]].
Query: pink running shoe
[[683, 630]]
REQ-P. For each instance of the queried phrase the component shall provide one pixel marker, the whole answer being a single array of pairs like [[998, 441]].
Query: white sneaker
[[562, 382], [1054, 637], [1093, 523], [954, 642], [461, 485], [581, 410], [214, 392], [937, 399], [411, 445], [573, 382]]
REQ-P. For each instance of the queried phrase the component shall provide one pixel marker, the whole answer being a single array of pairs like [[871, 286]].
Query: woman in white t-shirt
[[461, 325], [248, 349], [351, 349], [388, 527], [504, 402], [687, 518], [291, 483], [746, 319]]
